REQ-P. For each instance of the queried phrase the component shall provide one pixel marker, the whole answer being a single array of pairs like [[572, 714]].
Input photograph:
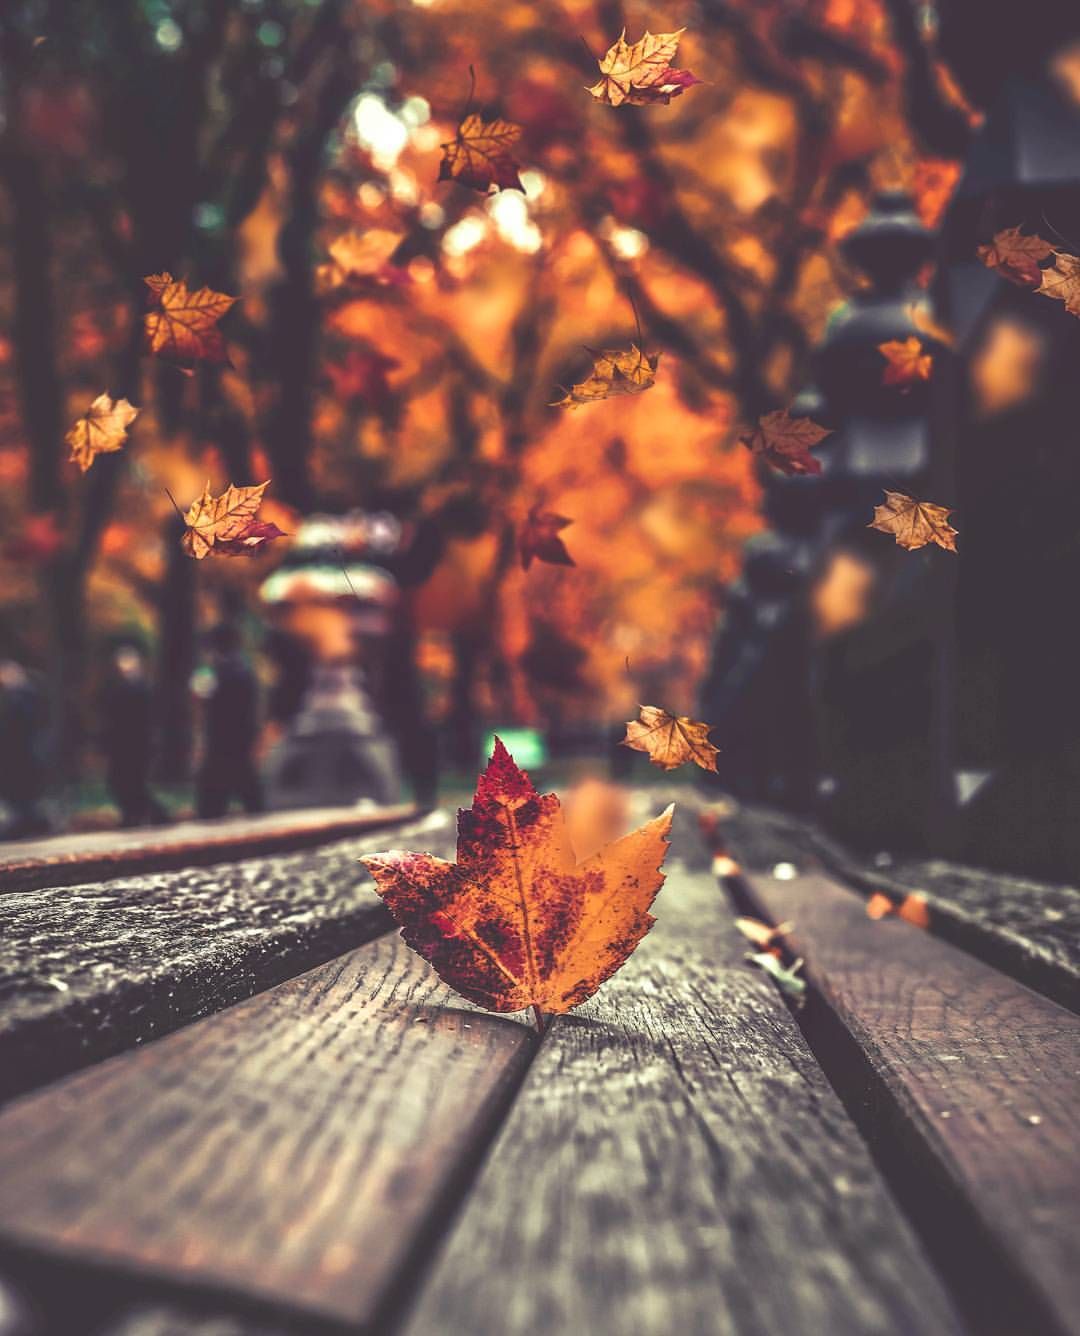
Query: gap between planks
[[963, 1081]]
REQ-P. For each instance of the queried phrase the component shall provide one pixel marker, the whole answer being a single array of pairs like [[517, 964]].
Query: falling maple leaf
[[906, 362], [761, 934], [914, 523], [516, 922], [641, 74], [1016, 256], [182, 325], [539, 538], [101, 429], [479, 155], [1062, 281], [670, 740], [615, 371], [785, 441], [226, 525]]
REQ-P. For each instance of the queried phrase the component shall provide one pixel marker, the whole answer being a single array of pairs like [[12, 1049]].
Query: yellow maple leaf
[[670, 740], [1062, 281], [615, 372], [914, 523], [101, 430], [220, 521], [182, 326], [640, 73]]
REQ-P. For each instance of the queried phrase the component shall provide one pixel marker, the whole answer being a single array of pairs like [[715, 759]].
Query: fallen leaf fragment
[[479, 155], [615, 372], [640, 74], [182, 325], [1016, 256], [670, 740], [785, 441], [786, 977], [226, 525], [914, 523], [879, 906], [762, 934], [914, 909], [539, 538], [101, 430], [1062, 282], [906, 362], [516, 922]]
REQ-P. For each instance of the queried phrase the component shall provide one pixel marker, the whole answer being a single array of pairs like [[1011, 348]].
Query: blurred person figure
[[126, 713], [229, 692], [22, 729]]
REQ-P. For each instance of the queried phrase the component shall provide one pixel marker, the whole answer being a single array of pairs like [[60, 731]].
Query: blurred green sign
[[525, 745]]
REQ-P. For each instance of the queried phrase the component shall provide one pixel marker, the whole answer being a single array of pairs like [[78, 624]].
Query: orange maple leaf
[[785, 441], [101, 429], [907, 362], [912, 909], [1016, 256], [182, 327], [516, 922], [914, 523], [879, 906], [479, 155], [226, 525], [670, 740], [539, 538], [615, 371], [640, 74]]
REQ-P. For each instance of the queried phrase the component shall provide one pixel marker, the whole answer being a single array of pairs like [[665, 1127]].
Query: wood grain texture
[[67, 860], [1026, 928], [676, 1162], [974, 1073], [88, 971], [294, 1147]]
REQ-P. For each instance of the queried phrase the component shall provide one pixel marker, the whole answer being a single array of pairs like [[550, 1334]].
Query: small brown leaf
[[182, 327], [1016, 256], [101, 430], [615, 372], [1062, 282], [225, 525], [479, 155], [785, 441], [640, 74], [914, 523], [670, 740], [907, 362], [539, 538]]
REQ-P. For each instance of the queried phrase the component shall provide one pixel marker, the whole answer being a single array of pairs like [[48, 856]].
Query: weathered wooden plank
[[676, 1162], [294, 1147], [88, 971], [972, 1076], [68, 860], [1029, 929]]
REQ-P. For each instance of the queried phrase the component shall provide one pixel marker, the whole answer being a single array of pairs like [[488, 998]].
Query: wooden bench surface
[[87, 971], [355, 1148], [69, 860]]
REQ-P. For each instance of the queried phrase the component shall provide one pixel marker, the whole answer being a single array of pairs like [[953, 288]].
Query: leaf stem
[[542, 1022], [175, 506]]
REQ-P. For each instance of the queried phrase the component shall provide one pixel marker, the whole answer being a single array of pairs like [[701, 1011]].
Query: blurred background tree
[[399, 341]]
